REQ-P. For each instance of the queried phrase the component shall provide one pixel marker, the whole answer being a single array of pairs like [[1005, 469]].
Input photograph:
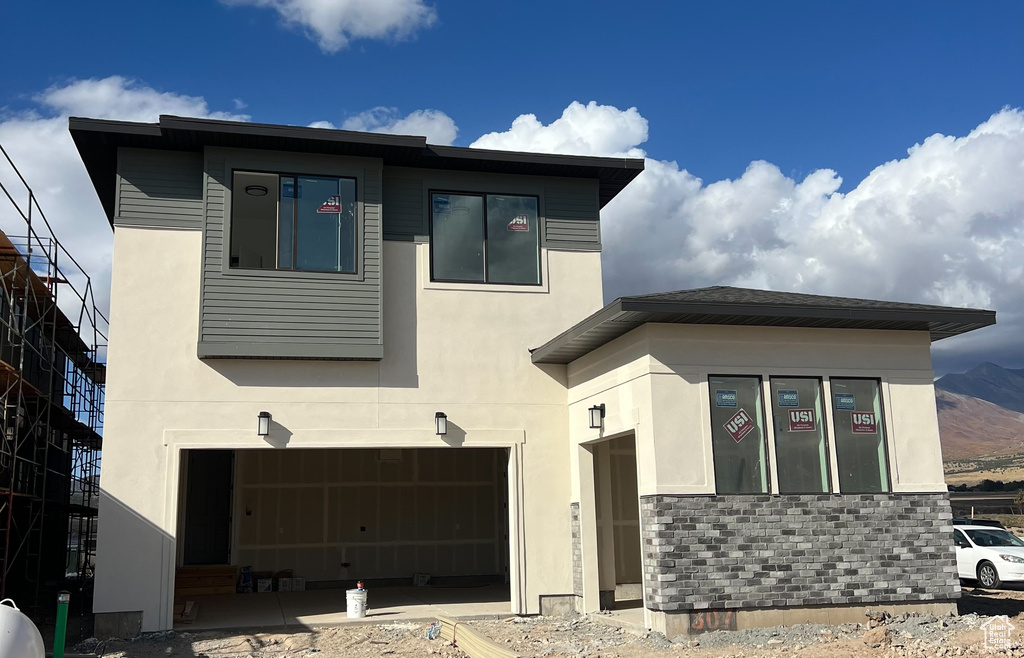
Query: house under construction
[[52, 343]]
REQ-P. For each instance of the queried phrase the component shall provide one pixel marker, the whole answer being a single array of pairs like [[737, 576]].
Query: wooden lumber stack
[[203, 581], [474, 643]]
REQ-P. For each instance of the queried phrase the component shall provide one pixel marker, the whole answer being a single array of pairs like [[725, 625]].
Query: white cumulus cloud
[[332, 24], [435, 125], [943, 225], [590, 129], [39, 144]]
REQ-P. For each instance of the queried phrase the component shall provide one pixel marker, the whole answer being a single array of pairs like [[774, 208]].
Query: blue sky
[[820, 94]]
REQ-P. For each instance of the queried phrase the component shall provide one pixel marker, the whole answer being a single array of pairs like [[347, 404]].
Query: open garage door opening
[[322, 519]]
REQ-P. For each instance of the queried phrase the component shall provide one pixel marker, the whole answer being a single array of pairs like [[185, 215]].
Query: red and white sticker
[[519, 223], [739, 425], [331, 205], [863, 422], [802, 420]]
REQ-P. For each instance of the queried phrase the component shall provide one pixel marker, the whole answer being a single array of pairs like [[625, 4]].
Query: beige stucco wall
[[457, 349], [653, 381]]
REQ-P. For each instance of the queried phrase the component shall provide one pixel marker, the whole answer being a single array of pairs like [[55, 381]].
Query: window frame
[[229, 224], [483, 195], [881, 423], [768, 451], [826, 422]]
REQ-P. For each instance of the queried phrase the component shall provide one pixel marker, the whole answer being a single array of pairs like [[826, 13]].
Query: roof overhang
[[98, 140], [625, 314]]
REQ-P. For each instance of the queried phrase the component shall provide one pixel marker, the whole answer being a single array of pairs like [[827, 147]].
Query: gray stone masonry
[[715, 552], [577, 550]]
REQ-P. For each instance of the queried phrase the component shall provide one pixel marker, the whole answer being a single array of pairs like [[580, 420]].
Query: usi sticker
[[863, 422], [739, 425], [519, 223], [802, 420], [331, 205]]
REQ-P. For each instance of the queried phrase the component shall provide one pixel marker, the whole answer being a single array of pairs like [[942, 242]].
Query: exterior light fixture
[[596, 416], [440, 423], [263, 425], [256, 190]]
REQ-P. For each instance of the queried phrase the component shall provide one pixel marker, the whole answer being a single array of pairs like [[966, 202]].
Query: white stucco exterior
[[458, 349]]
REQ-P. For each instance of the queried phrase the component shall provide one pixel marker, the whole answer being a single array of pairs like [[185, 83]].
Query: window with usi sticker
[[860, 436], [288, 222], [800, 446], [485, 238], [737, 435]]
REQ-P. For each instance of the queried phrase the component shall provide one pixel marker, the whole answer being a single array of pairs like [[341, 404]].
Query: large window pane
[[457, 237], [737, 435], [254, 220], [293, 222], [325, 224], [799, 435], [513, 234], [860, 436]]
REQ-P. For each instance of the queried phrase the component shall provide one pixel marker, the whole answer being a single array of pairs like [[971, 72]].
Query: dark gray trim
[[318, 351], [627, 313], [97, 141]]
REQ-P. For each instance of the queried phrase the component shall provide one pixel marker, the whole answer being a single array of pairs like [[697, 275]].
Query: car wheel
[[988, 577]]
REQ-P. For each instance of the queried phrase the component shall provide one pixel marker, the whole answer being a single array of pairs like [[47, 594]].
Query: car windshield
[[993, 538]]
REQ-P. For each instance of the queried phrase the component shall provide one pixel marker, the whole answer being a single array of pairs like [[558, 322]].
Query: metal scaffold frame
[[52, 377]]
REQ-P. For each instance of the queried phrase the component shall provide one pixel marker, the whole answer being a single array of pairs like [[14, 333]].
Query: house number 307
[[712, 620]]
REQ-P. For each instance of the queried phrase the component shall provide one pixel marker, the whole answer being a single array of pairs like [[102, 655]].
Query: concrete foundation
[[686, 623], [557, 605], [120, 625]]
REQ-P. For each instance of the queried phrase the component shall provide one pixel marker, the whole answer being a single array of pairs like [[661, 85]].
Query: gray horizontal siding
[[570, 209], [404, 205], [289, 315], [159, 189], [573, 214]]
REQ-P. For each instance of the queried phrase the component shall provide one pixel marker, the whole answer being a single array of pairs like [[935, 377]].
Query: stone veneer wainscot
[[714, 552]]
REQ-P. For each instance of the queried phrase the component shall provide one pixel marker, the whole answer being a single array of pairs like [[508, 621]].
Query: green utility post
[[62, 621]]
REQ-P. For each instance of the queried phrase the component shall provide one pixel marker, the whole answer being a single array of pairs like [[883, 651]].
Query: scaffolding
[[52, 376]]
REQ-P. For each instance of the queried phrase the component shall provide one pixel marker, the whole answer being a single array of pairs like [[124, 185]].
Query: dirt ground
[[923, 636]]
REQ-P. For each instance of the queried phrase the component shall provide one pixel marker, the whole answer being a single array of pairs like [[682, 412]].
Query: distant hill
[[972, 428], [1000, 386]]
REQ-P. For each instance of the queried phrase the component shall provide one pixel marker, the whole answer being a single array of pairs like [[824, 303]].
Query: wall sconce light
[[596, 416], [263, 424], [256, 190], [440, 423]]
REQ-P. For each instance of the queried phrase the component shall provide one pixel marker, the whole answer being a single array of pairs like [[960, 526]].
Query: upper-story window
[[293, 222], [484, 238]]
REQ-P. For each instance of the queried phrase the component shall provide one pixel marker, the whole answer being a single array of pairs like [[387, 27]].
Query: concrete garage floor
[[326, 607]]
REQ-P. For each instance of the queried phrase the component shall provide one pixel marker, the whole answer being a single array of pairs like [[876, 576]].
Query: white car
[[989, 555]]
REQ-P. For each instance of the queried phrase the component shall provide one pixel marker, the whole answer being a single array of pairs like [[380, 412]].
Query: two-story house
[[358, 355]]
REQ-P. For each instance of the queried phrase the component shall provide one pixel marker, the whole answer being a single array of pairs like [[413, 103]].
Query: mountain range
[[1000, 386], [981, 423]]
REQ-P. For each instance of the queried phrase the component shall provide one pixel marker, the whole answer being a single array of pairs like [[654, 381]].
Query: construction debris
[[472, 642]]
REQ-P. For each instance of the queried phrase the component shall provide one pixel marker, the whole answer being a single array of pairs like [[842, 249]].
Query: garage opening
[[414, 525]]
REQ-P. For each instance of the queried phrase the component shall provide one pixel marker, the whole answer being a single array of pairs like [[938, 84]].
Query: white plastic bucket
[[355, 603], [19, 637]]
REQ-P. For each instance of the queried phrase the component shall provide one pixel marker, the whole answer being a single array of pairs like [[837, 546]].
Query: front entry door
[[208, 507]]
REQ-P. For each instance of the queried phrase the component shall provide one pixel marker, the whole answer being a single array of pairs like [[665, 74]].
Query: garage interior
[[332, 517], [617, 507]]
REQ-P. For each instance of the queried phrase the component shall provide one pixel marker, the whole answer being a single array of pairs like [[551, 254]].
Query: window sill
[[298, 274]]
